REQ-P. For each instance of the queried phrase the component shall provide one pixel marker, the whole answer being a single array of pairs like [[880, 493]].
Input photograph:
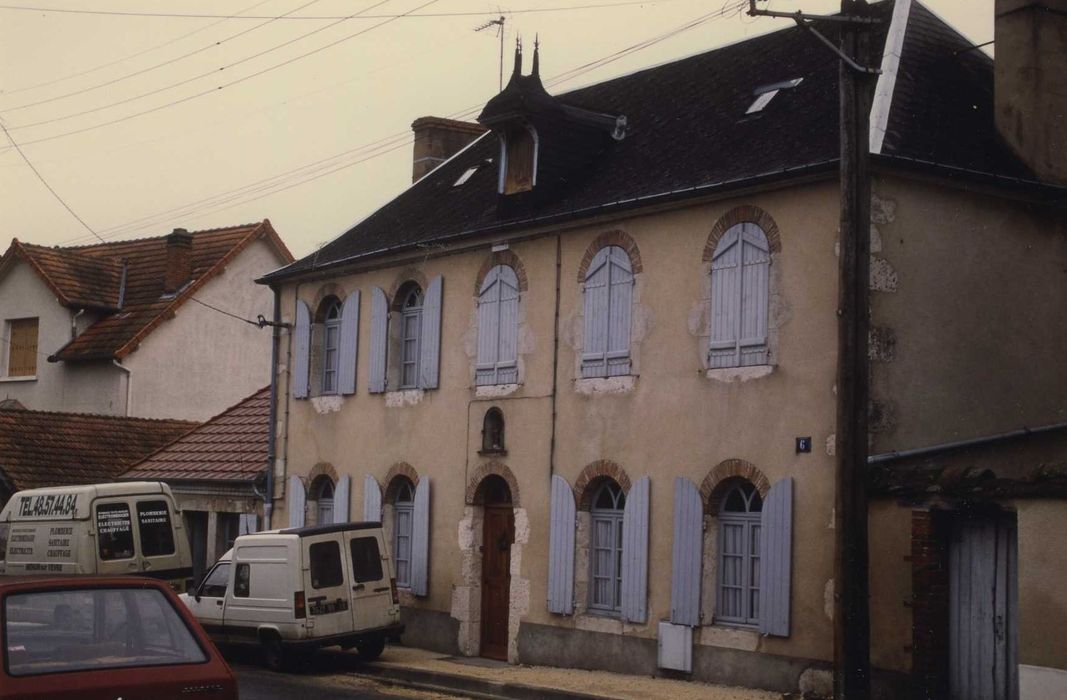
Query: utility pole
[[852, 627]]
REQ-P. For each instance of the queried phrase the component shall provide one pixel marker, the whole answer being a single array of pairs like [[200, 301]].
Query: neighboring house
[[216, 473], [126, 328], [42, 448], [584, 370]]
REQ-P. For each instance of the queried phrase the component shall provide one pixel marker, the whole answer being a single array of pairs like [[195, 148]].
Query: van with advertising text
[[127, 528]]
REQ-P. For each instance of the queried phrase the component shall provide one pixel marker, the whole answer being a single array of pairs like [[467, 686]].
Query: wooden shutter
[[620, 301], [346, 369], [776, 559], [22, 353], [725, 300], [372, 500], [755, 281], [687, 553], [301, 364], [420, 538], [297, 501], [507, 369], [430, 335], [379, 340], [561, 548], [341, 497], [247, 524], [595, 340], [488, 328], [635, 553]]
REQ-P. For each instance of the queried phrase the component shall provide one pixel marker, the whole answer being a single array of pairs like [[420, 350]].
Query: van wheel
[[273, 654], [371, 649]]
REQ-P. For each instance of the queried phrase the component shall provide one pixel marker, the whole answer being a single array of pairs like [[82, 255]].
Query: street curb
[[455, 683]]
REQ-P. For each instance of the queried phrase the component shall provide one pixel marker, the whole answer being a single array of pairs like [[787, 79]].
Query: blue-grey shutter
[[301, 363], [755, 281], [561, 548], [430, 335], [248, 523], [379, 340], [297, 500], [687, 553], [725, 299], [488, 328], [507, 369], [420, 538], [372, 500], [595, 340], [776, 559], [620, 303], [341, 496], [346, 369], [635, 553]]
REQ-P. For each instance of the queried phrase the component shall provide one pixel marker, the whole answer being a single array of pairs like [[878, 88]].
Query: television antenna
[[499, 24]]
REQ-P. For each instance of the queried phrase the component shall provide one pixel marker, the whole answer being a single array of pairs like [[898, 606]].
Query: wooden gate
[[497, 535], [983, 600]]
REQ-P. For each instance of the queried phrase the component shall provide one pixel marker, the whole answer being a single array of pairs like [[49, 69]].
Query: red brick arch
[[488, 469], [501, 257], [330, 289], [321, 469], [409, 275], [711, 490], [591, 477], [615, 237], [745, 213], [392, 482]]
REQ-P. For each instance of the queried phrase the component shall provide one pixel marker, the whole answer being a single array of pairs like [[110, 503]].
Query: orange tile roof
[[232, 446], [44, 448]]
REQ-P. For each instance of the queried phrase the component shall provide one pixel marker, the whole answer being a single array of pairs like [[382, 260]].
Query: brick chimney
[[437, 140], [1031, 88], [179, 260]]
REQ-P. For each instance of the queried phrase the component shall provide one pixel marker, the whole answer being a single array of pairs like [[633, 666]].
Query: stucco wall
[[201, 362]]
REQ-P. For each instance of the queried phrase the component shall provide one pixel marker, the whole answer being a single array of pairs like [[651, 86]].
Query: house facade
[[126, 328], [584, 370]]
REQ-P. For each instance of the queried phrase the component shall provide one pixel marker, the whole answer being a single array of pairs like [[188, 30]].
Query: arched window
[[739, 298], [605, 591], [739, 555], [493, 432], [608, 297], [404, 511], [331, 337], [498, 328], [410, 336], [322, 490]]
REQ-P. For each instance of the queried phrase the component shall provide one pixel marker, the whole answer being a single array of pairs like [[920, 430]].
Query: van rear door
[[159, 548], [372, 597], [326, 585]]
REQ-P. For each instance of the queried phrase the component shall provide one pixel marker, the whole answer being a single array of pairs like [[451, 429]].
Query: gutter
[[268, 498], [888, 457], [129, 383]]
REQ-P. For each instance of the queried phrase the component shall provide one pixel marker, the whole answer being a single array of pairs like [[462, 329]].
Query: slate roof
[[687, 135], [232, 446], [42, 448], [91, 277]]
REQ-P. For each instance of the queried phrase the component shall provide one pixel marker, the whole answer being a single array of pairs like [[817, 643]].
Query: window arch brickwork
[[745, 213], [490, 468], [501, 257], [710, 491], [330, 289], [408, 275], [587, 481], [321, 469], [609, 238], [391, 483]]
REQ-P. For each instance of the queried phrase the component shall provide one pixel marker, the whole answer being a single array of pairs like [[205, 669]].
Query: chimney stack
[[437, 140], [179, 261], [1030, 91]]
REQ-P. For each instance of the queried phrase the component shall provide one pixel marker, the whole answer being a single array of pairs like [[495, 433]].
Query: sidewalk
[[483, 678]]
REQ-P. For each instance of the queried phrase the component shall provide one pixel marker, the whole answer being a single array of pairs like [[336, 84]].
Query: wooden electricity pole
[[852, 627]]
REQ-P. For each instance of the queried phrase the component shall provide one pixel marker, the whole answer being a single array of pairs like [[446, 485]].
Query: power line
[[49, 187], [260, 323]]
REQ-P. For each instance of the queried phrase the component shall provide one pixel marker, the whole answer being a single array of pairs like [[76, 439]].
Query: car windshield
[[96, 628]]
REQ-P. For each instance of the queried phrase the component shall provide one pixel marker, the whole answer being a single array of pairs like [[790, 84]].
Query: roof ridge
[[74, 414], [122, 241]]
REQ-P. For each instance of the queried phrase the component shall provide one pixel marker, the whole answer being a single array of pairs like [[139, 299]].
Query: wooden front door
[[498, 532]]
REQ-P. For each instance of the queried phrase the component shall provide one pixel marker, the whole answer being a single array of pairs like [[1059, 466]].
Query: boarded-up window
[[608, 300], [739, 298], [519, 162], [22, 358], [498, 328]]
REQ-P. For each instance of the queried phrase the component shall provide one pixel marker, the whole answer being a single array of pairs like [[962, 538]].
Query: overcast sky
[[146, 123]]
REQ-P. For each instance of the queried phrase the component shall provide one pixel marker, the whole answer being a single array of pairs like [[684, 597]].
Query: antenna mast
[[499, 24]]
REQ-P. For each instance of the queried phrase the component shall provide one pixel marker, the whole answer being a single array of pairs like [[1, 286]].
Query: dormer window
[[518, 167]]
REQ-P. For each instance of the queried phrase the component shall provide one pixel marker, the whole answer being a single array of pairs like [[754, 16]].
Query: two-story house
[[584, 370], [138, 327]]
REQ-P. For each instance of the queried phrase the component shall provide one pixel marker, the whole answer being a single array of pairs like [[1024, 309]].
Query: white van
[[127, 528], [295, 590]]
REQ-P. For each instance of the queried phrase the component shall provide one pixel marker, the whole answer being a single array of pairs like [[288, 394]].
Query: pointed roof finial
[[536, 59], [517, 71]]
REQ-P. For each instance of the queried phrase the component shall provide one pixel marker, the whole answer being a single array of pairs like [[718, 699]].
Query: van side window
[[214, 586], [326, 570], [366, 560], [242, 581], [153, 520], [114, 531]]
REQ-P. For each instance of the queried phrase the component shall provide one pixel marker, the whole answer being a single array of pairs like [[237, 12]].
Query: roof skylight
[[465, 176], [765, 94]]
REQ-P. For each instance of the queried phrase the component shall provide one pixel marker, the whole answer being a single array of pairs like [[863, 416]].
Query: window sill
[[492, 391], [403, 397], [30, 378], [729, 636], [596, 386], [327, 403], [492, 453], [731, 375]]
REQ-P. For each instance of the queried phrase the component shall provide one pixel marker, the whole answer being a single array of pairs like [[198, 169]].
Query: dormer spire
[[517, 71], [536, 60]]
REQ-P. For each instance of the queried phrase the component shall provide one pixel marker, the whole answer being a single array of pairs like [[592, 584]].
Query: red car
[[102, 638]]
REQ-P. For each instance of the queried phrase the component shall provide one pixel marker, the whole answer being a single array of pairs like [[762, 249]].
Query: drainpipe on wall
[[268, 500], [129, 383]]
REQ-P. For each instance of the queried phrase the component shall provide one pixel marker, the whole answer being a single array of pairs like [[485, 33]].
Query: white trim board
[[883, 92]]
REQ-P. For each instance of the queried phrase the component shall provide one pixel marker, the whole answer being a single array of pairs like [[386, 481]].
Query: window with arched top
[[403, 514], [739, 555], [740, 279], [331, 338], [410, 335], [605, 553], [322, 492], [493, 432], [608, 292], [498, 328]]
